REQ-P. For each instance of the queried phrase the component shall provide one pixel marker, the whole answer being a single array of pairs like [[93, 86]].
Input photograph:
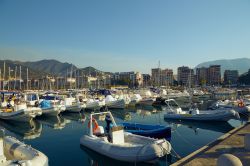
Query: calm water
[[59, 137]]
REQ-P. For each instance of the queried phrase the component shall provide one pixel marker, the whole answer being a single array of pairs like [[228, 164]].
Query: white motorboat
[[121, 145], [52, 104], [49, 109], [92, 104], [111, 102], [72, 106], [19, 112], [195, 114], [240, 106], [135, 98], [13, 152]]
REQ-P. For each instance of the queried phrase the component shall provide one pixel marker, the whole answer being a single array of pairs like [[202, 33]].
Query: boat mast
[[27, 83], [159, 73], [9, 79], [15, 77], [20, 86], [3, 74], [70, 83]]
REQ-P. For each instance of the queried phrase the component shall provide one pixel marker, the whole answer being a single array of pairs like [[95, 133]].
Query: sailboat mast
[[9, 79], [15, 78], [159, 73], [20, 86], [3, 74], [27, 83]]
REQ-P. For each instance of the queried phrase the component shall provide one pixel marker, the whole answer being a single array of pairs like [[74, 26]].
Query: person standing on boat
[[108, 125]]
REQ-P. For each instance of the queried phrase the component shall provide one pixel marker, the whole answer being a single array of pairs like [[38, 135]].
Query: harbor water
[[59, 137]]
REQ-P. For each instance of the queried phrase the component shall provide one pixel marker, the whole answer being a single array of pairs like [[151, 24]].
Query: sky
[[125, 35]]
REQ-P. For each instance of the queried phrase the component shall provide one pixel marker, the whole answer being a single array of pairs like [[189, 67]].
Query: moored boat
[[110, 102], [122, 145], [13, 152], [20, 113], [195, 114]]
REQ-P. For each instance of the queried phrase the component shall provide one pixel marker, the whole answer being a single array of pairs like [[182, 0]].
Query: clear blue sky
[[125, 35]]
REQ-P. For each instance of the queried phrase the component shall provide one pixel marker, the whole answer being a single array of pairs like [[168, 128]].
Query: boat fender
[[95, 125]]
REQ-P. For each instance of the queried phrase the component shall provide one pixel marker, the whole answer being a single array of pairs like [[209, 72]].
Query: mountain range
[[240, 64], [44, 68]]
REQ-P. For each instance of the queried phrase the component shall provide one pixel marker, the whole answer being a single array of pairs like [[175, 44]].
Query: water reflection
[[55, 122], [123, 115], [222, 127], [30, 130], [77, 117]]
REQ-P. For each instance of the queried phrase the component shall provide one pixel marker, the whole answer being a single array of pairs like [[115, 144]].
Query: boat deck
[[232, 143]]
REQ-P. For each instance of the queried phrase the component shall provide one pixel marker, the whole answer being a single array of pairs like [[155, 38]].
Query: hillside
[[240, 64], [53, 67], [43, 68], [15, 65]]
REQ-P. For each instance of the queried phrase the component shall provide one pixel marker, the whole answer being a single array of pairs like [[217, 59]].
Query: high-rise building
[[167, 77], [162, 77], [146, 80], [202, 76], [231, 77], [185, 76], [214, 74], [156, 76]]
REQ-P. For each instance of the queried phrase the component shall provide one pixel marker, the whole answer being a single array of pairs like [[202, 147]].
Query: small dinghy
[[155, 131], [195, 114], [13, 153], [121, 145]]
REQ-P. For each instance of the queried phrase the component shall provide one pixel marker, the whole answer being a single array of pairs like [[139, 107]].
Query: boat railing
[[100, 113]]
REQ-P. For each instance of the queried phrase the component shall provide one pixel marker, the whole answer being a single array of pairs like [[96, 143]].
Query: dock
[[231, 142]]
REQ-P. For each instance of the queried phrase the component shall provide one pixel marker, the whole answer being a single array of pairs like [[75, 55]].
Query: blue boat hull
[[154, 131]]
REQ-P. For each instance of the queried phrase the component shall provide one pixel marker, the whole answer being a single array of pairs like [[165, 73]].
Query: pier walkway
[[231, 142]]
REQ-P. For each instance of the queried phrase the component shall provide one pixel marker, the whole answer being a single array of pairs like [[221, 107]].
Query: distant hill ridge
[[46, 67], [240, 64]]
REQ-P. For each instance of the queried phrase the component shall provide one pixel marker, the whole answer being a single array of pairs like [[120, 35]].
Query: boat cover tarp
[[45, 104]]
